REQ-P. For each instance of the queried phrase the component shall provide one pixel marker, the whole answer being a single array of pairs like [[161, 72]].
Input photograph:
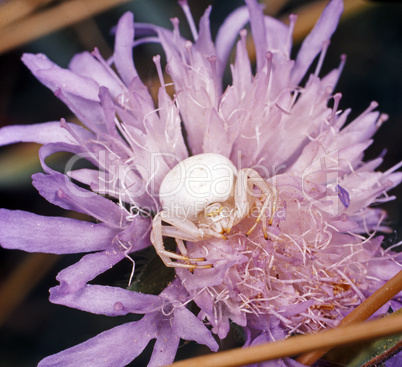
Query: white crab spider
[[204, 196]]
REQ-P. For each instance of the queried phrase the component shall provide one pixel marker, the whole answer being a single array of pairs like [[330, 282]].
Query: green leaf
[[367, 354], [151, 275]]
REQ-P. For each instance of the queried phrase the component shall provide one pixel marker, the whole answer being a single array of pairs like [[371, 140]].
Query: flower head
[[314, 258]]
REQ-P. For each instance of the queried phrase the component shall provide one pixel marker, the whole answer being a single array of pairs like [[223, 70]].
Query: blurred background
[[370, 33]]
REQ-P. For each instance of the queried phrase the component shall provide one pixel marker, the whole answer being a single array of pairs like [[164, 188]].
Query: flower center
[[305, 274]]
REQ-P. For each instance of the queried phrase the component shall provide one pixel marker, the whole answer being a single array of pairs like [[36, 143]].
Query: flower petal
[[34, 233], [105, 300], [394, 361], [204, 42], [136, 235], [89, 112], [131, 190], [115, 347], [227, 34], [241, 75], [258, 30], [196, 92], [134, 238], [51, 148], [55, 77], [46, 132], [313, 43], [75, 277], [59, 190], [216, 137], [189, 327], [278, 38], [123, 48], [166, 344], [86, 65]]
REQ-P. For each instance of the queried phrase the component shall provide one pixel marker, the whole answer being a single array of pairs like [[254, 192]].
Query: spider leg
[[270, 192], [264, 229], [181, 246], [241, 195], [179, 236], [182, 228], [241, 201], [170, 231]]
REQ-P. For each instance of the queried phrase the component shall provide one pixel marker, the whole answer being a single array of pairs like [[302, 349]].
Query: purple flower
[[317, 255]]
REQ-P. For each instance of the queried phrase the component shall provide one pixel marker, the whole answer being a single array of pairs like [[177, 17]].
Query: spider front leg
[[182, 229], [270, 193]]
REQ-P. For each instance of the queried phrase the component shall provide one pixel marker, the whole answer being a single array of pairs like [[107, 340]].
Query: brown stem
[[362, 312], [11, 11], [294, 345], [323, 341], [61, 15]]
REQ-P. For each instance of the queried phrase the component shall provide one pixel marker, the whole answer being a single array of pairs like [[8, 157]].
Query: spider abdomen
[[197, 182]]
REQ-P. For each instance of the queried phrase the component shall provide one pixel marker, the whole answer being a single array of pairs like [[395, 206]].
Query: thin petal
[[55, 77], [34, 233], [394, 361], [204, 42], [259, 32], [216, 138], [75, 277], [166, 345], [89, 112], [196, 92], [360, 129], [189, 327], [105, 300], [277, 34], [241, 75], [85, 64], [227, 34], [115, 347], [51, 148], [59, 190], [46, 132], [170, 138], [137, 235], [313, 43], [109, 110], [128, 191], [134, 238], [123, 49]]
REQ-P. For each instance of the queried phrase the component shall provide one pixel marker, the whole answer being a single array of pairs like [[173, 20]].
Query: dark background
[[371, 39]]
